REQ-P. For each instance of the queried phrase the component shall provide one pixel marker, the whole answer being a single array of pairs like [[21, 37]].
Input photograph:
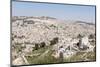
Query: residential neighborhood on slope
[[45, 40]]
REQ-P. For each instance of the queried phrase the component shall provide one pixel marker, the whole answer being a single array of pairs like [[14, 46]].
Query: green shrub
[[36, 46], [91, 36], [42, 44], [54, 41]]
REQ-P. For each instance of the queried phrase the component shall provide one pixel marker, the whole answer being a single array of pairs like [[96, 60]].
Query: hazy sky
[[66, 12]]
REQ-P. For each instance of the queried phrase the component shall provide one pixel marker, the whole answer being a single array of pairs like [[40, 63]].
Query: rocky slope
[[31, 34]]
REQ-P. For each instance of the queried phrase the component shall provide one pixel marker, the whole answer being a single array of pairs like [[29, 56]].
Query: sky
[[59, 11]]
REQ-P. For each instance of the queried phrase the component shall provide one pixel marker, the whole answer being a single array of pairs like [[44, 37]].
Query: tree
[[42, 44], [54, 41], [36, 46]]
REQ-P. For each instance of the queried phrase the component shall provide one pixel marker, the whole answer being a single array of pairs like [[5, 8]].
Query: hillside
[[38, 40]]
